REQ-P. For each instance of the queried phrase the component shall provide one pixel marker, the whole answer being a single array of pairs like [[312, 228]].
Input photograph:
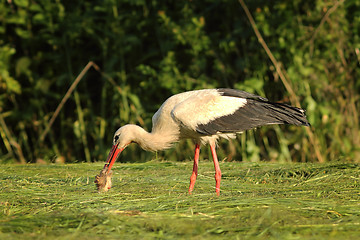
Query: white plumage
[[204, 116]]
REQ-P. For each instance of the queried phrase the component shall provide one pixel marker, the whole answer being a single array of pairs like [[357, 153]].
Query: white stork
[[204, 116]]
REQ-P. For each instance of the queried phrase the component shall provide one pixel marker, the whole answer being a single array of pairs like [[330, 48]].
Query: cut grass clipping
[[150, 201]]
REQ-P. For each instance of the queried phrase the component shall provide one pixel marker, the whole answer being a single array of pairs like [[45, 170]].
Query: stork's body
[[204, 116]]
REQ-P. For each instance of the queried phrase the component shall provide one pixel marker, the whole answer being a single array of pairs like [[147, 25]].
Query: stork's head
[[122, 138]]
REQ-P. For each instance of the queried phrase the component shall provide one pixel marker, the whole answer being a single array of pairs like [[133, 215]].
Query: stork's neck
[[153, 141]]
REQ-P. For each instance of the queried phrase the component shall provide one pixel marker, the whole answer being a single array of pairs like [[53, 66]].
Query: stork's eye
[[116, 138]]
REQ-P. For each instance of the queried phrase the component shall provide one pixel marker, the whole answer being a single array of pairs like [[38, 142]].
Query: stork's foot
[[217, 181], [103, 180], [192, 182], [217, 169], [195, 168]]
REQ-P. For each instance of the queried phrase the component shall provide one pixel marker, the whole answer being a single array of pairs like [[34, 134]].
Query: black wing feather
[[258, 111]]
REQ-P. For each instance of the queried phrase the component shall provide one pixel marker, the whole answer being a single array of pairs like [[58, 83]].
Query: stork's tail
[[287, 114]]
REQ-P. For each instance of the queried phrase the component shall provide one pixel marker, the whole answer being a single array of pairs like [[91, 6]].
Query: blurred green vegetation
[[149, 50]]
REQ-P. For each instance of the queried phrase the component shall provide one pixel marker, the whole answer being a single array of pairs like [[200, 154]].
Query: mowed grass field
[[150, 201]]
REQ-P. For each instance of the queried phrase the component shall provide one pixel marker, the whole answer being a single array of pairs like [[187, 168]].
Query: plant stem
[[293, 98]]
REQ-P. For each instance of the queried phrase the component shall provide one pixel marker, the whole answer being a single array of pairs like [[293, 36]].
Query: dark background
[[149, 50]]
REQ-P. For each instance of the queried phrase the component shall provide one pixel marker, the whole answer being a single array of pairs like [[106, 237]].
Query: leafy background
[[149, 50]]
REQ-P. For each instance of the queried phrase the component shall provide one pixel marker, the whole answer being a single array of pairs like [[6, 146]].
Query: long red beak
[[113, 155]]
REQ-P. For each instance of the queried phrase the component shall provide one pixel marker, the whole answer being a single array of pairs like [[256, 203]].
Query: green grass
[[150, 201]]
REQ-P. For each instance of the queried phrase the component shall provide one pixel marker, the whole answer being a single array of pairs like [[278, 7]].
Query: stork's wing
[[229, 111]]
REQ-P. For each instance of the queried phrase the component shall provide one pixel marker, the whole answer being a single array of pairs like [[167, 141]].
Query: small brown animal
[[103, 180]]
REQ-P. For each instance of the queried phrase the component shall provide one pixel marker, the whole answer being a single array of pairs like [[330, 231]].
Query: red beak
[[113, 155]]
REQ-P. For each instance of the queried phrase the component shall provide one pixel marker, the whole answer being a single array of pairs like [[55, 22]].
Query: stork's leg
[[217, 169], [195, 168]]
